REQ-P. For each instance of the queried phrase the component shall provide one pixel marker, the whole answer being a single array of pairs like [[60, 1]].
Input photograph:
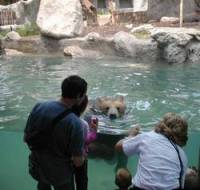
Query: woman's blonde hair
[[173, 127]]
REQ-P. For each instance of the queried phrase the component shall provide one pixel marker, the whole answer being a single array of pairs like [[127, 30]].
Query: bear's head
[[113, 107]]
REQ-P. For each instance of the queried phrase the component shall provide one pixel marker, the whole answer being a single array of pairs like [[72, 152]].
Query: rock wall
[[169, 45]]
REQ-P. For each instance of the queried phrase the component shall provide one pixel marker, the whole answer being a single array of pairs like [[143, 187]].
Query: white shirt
[[158, 166]]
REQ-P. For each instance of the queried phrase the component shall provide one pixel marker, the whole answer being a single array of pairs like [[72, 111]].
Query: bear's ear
[[99, 101], [121, 98]]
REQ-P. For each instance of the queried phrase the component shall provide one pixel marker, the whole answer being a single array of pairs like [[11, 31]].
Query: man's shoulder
[[73, 118], [48, 105]]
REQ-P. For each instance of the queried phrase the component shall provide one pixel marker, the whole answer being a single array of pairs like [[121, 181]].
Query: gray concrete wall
[[160, 8]]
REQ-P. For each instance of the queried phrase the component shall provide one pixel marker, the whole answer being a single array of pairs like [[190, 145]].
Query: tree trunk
[[89, 12]]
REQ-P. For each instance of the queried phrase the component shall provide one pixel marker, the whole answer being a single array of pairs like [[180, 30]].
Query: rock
[[11, 52], [129, 26], [77, 52], [60, 19], [177, 45], [12, 36], [174, 54], [194, 53], [92, 36], [179, 36], [173, 20], [128, 45], [143, 28]]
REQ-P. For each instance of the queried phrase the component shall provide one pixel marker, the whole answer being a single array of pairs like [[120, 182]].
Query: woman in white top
[[162, 162]]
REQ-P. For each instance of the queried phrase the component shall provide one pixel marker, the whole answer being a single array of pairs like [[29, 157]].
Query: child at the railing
[[90, 134], [123, 179]]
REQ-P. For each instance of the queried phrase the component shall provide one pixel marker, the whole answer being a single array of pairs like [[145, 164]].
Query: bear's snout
[[113, 113], [112, 116]]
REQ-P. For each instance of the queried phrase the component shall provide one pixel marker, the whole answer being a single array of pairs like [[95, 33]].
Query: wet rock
[[194, 52], [174, 54], [177, 45]]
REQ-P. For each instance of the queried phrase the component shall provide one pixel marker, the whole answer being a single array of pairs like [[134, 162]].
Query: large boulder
[[128, 45], [60, 19], [178, 45]]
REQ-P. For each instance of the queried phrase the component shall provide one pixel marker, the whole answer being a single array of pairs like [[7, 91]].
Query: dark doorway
[[126, 3]]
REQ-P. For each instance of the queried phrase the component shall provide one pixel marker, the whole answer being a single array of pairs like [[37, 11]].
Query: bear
[[113, 107], [103, 146]]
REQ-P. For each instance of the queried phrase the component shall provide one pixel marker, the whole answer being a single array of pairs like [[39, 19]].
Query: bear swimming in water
[[113, 107], [103, 147]]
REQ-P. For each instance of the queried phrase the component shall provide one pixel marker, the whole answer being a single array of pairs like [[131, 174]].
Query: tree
[[89, 12]]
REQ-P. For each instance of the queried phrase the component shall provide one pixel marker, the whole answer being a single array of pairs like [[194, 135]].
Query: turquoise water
[[150, 91]]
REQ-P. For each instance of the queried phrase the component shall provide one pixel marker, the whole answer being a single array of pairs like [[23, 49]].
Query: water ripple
[[150, 90]]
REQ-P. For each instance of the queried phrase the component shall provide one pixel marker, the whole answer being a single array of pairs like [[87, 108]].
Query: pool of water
[[150, 91]]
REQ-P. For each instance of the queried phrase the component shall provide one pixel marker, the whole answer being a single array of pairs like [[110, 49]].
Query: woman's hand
[[133, 131]]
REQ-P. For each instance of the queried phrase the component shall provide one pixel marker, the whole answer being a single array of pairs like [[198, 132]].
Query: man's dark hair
[[73, 87], [79, 109]]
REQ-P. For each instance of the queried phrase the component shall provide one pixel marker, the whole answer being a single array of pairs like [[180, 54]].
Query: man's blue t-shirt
[[67, 135], [66, 141]]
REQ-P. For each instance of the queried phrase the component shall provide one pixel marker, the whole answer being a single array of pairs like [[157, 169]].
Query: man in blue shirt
[[53, 165]]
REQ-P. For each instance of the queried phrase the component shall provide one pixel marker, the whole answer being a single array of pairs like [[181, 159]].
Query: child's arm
[[91, 136], [92, 133]]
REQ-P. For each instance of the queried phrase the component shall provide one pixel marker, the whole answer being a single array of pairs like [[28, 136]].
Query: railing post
[[181, 13]]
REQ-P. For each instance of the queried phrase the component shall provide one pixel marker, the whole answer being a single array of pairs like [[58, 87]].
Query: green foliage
[[3, 33], [142, 35], [28, 30]]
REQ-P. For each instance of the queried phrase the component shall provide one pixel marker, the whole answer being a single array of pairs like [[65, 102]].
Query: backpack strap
[[180, 161], [60, 116]]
